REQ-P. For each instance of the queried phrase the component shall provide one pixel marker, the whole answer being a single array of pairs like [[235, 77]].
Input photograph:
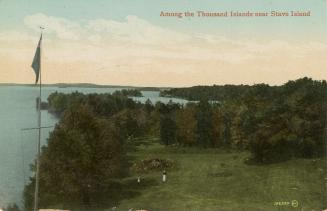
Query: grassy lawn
[[207, 179]]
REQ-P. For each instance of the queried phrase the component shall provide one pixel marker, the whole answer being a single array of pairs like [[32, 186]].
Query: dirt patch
[[153, 164]]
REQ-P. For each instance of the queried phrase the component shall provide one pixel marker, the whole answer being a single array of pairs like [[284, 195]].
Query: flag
[[36, 65]]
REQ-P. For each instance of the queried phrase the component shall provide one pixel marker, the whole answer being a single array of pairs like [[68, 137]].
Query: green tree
[[167, 121], [186, 126], [167, 130], [83, 155], [218, 127], [204, 129]]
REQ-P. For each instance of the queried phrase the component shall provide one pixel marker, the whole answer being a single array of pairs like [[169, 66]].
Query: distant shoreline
[[89, 85]]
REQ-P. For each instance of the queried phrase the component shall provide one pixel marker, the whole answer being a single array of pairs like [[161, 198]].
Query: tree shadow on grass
[[120, 190], [255, 162]]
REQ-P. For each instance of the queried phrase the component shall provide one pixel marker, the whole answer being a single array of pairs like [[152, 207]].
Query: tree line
[[85, 156], [274, 123], [86, 153]]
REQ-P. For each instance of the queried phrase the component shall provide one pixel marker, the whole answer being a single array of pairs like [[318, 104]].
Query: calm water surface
[[17, 147]]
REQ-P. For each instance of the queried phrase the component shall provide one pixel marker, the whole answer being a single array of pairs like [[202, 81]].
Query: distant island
[[118, 93], [90, 85]]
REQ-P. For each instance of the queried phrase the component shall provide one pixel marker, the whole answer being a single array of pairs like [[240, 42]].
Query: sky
[[123, 42]]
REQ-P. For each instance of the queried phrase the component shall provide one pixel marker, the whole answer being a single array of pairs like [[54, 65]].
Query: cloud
[[101, 39], [149, 40], [136, 51], [63, 28], [132, 30], [137, 30]]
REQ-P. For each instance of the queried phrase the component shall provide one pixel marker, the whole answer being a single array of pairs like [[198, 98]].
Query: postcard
[[164, 105]]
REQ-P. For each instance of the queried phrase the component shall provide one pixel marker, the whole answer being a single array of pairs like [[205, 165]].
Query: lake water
[[17, 147]]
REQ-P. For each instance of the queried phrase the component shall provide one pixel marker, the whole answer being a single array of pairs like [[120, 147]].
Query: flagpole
[[36, 194]]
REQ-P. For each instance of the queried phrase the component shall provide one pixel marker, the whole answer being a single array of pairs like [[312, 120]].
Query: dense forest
[[211, 93], [274, 123], [86, 153]]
